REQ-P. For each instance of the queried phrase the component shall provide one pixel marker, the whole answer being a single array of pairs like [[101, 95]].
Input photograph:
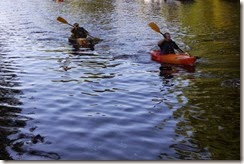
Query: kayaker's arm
[[183, 52], [73, 30], [85, 31], [162, 46], [178, 48], [160, 43]]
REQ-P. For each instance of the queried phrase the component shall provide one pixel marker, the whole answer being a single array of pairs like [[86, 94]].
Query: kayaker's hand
[[187, 54]]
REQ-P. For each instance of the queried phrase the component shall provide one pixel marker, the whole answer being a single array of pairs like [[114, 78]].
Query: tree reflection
[[10, 121], [90, 9], [187, 1], [208, 125]]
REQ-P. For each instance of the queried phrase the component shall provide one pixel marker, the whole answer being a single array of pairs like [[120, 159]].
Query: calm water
[[116, 104]]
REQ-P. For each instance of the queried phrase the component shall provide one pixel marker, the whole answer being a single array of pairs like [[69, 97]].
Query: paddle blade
[[62, 20], [154, 26], [96, 40]]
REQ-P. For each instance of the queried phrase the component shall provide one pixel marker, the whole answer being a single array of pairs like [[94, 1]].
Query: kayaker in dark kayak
[[79, 32], [167, 45]]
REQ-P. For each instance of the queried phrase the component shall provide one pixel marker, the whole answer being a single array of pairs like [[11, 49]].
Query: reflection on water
[[168, 70], [115, 103], [11, 119]]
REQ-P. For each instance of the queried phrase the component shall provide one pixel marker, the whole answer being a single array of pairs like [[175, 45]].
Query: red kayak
[[181, 59]]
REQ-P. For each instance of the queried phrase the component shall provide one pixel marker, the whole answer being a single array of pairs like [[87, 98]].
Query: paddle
[[155, 27], [62, 20]]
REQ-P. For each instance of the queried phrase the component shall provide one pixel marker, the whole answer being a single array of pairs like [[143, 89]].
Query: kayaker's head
[[76, 25], [167, 36]]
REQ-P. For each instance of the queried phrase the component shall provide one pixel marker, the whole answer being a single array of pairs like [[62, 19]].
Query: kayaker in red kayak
[[167, 45]]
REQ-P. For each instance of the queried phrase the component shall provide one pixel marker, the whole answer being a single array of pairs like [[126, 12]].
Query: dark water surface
[[116, 104]]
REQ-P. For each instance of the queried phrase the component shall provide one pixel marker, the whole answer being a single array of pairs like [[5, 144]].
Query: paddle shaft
[[70, 25], [162, 34]]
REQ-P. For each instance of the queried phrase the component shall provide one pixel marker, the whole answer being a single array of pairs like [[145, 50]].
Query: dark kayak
[[84, 42]]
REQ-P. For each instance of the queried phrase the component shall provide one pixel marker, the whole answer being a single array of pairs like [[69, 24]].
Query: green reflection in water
[[211, 118]]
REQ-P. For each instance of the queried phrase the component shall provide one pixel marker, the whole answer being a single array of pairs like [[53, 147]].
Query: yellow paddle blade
[[62, 20], [154, 26]]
